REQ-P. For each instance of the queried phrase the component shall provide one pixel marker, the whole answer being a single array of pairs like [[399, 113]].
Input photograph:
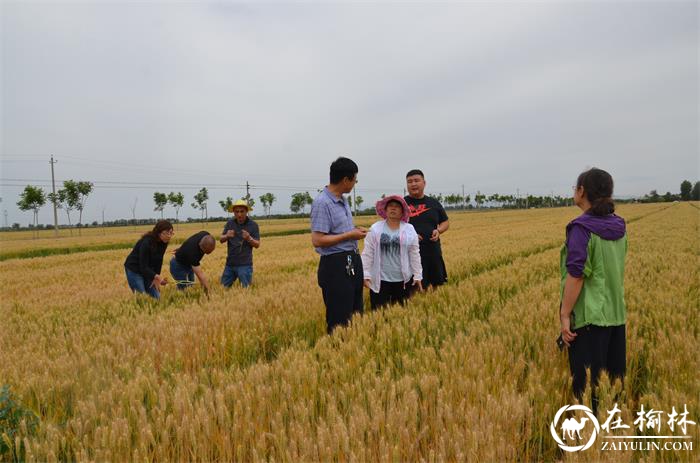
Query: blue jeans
[[138, 284], [181, 273], [243, 272]]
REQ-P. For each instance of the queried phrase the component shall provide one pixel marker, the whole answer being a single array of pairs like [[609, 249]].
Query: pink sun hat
[[381, 207]]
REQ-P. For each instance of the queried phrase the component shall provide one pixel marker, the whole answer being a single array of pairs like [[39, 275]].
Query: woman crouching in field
[[592, 271], [391, 257], [144, 263]]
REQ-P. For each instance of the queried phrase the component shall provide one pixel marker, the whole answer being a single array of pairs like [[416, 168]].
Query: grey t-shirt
[[390, 247], [239, 251]]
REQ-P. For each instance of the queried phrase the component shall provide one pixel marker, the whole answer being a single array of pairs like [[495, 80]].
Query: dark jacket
[[146, 258]]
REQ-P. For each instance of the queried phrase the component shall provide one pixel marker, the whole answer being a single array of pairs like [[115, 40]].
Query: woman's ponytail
[[598, 187]]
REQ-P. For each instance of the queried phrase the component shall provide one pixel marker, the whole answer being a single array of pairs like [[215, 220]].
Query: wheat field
[[468, 372]]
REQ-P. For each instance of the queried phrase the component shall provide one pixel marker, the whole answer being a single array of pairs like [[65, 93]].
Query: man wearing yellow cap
[[242, 235]]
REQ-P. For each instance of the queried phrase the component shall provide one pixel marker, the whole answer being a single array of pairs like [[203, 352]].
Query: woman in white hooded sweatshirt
[[391, 257]]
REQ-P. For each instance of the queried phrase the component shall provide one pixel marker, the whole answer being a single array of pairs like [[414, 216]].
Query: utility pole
[[53, 187], [247, 191], [133, 211], [463, 196]]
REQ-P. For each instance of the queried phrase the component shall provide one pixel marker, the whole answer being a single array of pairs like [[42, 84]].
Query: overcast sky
[[493, 96]]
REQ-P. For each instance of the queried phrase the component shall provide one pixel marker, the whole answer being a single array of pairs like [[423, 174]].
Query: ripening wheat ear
[[466, 373]]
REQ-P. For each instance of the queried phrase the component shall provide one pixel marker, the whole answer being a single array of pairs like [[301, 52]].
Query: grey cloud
[[494, 96]]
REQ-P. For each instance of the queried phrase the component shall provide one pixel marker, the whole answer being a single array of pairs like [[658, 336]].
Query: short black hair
[[413, 172], [342, 168]]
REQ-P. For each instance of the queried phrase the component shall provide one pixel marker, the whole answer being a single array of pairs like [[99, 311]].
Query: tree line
[[689, 192], [73, 197]]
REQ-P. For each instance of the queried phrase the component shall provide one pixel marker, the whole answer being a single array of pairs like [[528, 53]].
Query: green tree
[[72, 196], [32, 199], [696, 192], [177, 200], [62, 202], [226, 204], [358, 202], [267, 200], [686, 190], [161, 200], [534, 201], [453, 199], [249, 201], [479, 199], [297, 202], [300, 201], [68, 197], [200, 201], [83, 191], [59, 199]]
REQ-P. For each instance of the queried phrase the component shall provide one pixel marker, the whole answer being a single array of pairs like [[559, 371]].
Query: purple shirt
[[331, 215], [578, 233]]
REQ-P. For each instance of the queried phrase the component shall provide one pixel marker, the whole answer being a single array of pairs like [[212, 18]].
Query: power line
[[119, 182], [140, 167], [161, 168], [132, 184]]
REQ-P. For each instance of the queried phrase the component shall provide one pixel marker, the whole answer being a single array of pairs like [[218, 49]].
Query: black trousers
[[342, 293], [391, 292], [598, 348], [434, 270]]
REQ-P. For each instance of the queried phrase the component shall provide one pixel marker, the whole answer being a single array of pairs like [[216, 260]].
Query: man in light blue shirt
[[335, 238]]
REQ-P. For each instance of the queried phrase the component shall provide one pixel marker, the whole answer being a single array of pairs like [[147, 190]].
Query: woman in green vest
[[592, 294]]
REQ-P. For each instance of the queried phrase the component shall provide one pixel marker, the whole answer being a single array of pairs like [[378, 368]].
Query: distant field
[[466, 373], [23, 244]]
